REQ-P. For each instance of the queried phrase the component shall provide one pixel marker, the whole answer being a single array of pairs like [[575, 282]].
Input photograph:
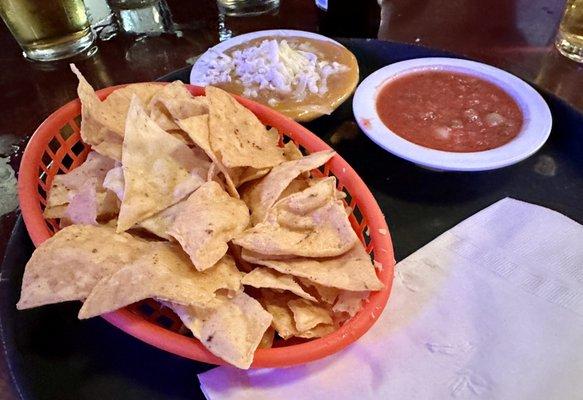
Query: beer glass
[[569, 39], [48, 30]]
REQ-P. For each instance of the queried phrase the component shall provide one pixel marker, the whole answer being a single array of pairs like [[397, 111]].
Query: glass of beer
[[569, 39], [48, 30]]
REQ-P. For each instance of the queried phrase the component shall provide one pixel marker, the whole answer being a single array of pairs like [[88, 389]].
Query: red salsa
[[449, 111]]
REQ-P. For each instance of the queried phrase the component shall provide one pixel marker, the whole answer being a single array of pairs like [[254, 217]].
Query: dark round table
[[52, 355]]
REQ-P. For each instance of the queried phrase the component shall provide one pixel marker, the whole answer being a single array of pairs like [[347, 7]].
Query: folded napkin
[[492, 309]]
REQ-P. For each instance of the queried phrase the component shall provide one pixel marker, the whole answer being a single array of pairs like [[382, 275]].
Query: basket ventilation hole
[[165, 321], [145, 309], [78, 148], [67, 162], [54, 145], [66, 131]]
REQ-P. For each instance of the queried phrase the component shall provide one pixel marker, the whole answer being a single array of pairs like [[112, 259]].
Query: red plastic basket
[[56, 147]]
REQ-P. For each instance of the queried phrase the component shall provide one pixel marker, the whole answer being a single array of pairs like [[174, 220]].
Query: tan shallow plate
[[304, 111]]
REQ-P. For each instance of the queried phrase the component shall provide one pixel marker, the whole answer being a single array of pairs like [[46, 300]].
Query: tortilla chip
[[213, 173], [292, 152], [229, 328], [86, 206], [317, 331], [242, 264], [103, 123], [351, 271], [326, 294], [118, 102], [56, 211], [82, 208], [98, 127], [241, 175], [197, 128], [79, 196], [270, 279], [158, 170], [114, 181], [108, 206], [248, 174], [68, 265], [237, 135], [341, 195], [64, 186], [209, 219], [350, 302], [164, 272], [301, 183], [163, 119], [160, 223], [174, 102], [262, 196], [295, 186], [267, 339], [283, 319], [308, 315], [181, 135], [318, 194], [309, 223], [112, 223], [109, 143]]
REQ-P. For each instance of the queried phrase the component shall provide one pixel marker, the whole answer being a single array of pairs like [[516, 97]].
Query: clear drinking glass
[[150, 17], [569, 39], [239, 8], [48, 30]]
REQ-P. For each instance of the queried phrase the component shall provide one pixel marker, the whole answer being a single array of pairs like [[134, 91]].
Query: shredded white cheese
[[273, 66]]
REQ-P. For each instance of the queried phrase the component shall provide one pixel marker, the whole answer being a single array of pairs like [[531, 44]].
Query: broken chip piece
[[268, 278], [352, 270], [163, 272], [238, 136], [206, 222], [68, 265], [310, 223], [231, 328], [263, 195]]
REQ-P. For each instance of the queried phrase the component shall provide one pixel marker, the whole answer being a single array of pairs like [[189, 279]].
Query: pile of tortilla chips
[[193, 202]]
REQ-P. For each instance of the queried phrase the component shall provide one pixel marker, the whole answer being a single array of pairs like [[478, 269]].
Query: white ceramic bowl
[[534, 133]]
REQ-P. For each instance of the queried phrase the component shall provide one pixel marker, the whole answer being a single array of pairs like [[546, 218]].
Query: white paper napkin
[[492, 309]]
